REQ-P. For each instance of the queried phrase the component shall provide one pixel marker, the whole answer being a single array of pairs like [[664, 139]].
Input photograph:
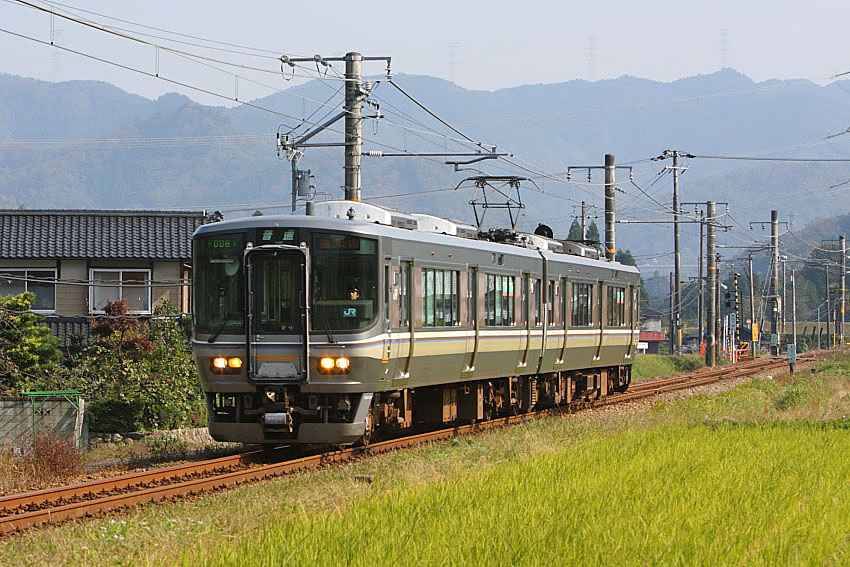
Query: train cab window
[[344, 281], [581, 314], [499, 300], [616, 306], [218, 284], [440, 306]]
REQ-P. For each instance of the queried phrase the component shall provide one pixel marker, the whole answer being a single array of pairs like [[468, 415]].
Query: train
[[357, 321]]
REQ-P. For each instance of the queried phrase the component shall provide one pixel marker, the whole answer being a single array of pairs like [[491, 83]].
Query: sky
[[478, 45]]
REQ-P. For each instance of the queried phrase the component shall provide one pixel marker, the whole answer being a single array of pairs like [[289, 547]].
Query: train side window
[[582, 296], [550, 302], [439, 297], [499, 300], [616, 306]]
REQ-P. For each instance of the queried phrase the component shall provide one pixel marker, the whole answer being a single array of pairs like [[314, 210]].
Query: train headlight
[[225, 365], [331, 365]]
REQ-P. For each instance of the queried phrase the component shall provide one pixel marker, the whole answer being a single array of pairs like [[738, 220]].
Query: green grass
[[641, 497], [597, 465], [648, 366]]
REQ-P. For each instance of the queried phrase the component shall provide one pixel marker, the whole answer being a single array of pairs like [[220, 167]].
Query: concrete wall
[[56, 415]]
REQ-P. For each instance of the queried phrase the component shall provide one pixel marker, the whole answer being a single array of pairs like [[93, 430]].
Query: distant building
[[651, 336], [75, 261]]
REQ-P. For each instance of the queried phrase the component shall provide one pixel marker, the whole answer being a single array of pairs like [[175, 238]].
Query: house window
[[41, 282], [133, 286], [580, 315]]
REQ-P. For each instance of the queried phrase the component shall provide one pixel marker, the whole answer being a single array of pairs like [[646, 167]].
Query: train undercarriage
[[281, 413]]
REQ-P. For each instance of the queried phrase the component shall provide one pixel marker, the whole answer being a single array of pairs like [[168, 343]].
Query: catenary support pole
[[677, 268], [753, 325], [610, 181], [775, 340], [711, 273], [583, 221], [353, 125], [843, 246], [701, 306], [794, 308]]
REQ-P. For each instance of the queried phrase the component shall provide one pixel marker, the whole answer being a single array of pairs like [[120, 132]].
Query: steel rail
[[84, 508], [27, 500]]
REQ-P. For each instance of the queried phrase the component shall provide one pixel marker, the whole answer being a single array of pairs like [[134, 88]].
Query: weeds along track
[[22, 511]]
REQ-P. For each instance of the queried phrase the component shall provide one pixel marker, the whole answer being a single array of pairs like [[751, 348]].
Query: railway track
[[22, 511]]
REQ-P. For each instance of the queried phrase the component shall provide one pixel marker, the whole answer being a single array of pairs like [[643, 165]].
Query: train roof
[[524, 248]]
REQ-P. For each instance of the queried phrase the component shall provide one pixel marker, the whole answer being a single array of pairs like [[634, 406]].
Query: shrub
[[28, 350]]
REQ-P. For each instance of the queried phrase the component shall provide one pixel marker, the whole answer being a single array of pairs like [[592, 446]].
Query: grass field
[[755, 476], [704, 494], [648, 366]]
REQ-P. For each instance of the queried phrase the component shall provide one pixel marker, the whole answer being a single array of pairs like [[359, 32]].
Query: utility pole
[[676, 256], [677, 303], [794, 309], [773, 293], [843, 246], [774, 250], [672, 320], [353, 127], [754, 339], [711, 272], [717, 311], [701, 307], [784, 299], [610, 170], [352, 112]]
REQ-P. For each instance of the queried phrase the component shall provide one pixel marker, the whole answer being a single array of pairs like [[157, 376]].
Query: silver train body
[[318, 330]]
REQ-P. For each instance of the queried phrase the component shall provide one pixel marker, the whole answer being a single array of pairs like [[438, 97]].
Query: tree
[[575, 231], [593, 233], [28, 350]]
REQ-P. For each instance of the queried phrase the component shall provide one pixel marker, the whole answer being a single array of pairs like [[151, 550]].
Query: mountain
[[173, 152]]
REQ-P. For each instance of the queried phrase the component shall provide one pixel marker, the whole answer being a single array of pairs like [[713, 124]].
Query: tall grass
[[759, 494]]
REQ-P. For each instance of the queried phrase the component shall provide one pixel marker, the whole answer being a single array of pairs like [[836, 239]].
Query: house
[[75, 261], [651, 336]]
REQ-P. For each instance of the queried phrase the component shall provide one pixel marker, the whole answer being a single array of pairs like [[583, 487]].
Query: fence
[[62, 413]]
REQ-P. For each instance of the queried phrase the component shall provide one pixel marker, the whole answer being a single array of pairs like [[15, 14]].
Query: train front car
[[282, 319]]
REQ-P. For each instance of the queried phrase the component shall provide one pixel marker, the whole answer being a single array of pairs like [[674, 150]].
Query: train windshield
[[217, 286], [344, 281]]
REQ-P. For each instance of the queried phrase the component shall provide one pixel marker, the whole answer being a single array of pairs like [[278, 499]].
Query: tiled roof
[[32, 234]]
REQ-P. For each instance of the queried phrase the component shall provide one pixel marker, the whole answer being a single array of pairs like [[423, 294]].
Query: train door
[[564, 307], [277, 314], [401, 333], [472, 320], [525, 333], [600, 316]]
